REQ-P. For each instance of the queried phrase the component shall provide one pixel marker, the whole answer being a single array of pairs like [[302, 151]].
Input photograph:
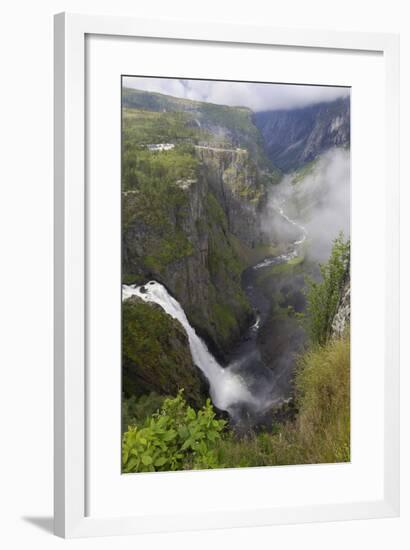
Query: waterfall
[[227, 388]]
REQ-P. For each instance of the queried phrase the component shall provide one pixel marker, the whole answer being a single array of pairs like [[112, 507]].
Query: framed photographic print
[[226, 275]]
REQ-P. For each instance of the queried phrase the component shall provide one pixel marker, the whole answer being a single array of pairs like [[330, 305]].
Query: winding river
[[246, 388]]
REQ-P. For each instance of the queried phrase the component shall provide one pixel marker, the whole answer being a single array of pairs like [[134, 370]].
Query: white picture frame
[[70, 264]]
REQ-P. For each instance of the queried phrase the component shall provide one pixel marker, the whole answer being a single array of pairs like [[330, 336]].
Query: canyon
[[223, 226]]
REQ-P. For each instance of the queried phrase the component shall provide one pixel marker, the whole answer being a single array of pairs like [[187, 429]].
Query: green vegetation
[[251, 256], [175, 438], [136, 410], [229, 308], [179, 212], [226, 310], [155, 353], [306, 170], [155, 188], [224, 319], [324, 296], [275, 176], [283, 285], [142, 127], [217, 125], [174, 228], [243, 178], [143, 169], [159, 189], [286, 269], [172, 246], [321, 431], [323, 389]]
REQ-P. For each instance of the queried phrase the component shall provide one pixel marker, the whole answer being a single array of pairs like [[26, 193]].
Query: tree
[[324, 297]]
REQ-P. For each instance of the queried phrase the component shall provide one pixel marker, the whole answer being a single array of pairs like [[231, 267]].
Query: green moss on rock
[[229, 308], [155, 353]]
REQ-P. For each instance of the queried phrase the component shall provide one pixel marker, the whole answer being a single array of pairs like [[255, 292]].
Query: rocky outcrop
[[341, 320], [156, 354]]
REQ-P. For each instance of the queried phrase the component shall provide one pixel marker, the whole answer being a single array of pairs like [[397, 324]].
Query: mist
[[319, 202], [255, 96]]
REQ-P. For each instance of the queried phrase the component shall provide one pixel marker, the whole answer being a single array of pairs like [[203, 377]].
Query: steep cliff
[[341, 319], [194, 238], [156, 355], [295, 137], [236, 183]]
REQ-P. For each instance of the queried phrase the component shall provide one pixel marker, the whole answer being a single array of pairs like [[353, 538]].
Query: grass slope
[[220, 124]]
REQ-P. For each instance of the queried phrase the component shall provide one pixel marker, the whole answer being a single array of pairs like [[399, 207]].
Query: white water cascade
[[226, 387]]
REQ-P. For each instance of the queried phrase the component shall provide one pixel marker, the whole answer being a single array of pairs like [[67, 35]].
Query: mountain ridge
[[294, 137], [284, 139]]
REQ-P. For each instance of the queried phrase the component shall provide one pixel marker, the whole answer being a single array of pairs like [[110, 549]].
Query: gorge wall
[[198, 241]]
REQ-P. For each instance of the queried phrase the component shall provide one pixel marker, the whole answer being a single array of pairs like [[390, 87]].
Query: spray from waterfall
[[230, 388], [227, 388]]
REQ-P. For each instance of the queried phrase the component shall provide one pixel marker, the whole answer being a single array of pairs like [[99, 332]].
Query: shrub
[[175, 438], [136, 410]]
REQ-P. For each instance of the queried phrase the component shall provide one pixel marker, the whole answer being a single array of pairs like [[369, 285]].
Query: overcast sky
[[258, 97]]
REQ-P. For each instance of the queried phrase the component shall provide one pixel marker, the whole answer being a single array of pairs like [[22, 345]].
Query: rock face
[[342, 318], [234, 180], [294, 137], [197, 241], [156, 354]]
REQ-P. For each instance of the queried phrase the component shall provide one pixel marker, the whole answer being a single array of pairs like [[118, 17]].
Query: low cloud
[[331, 214], [320, 203], [256, 96]]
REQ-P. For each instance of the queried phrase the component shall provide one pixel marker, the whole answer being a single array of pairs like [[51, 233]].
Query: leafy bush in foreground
[[179, 438], [135, 410], [175, 438]]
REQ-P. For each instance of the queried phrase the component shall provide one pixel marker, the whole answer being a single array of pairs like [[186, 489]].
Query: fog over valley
[[236, 274], [319, 199]]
